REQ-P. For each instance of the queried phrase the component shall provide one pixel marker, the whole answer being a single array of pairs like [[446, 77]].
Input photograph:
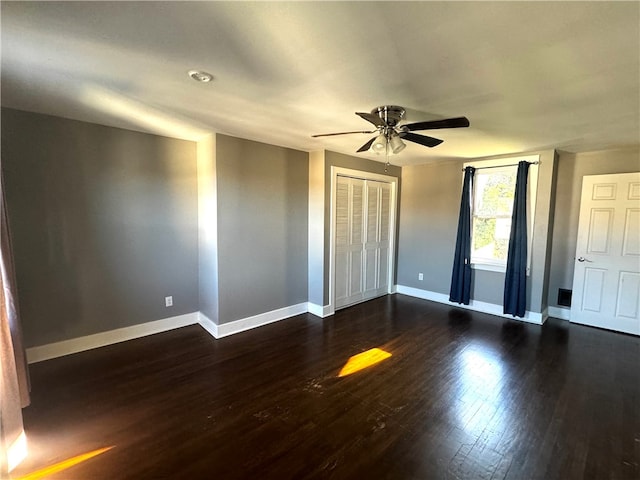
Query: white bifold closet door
[[361, 240]]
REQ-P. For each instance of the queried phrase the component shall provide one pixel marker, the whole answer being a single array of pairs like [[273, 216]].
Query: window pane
[[503, 232], [491, 238], [493, 203], [483, 234], [494, 193]]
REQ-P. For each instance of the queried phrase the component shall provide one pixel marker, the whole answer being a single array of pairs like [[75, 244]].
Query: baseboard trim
[[545, 314], [80, 344], [561, 313], [208, 324], [321, 311], [244, 324], [477, 306]]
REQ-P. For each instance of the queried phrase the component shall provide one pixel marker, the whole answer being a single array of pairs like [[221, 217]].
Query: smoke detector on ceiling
[[200, 76]]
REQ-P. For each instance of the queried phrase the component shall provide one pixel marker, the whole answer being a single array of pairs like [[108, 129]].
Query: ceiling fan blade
[[421, 139], [342, 133], [433, 124], [370, 117], [367, 145]]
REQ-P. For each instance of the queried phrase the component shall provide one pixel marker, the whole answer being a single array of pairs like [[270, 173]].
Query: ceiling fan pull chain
[[386, 151]]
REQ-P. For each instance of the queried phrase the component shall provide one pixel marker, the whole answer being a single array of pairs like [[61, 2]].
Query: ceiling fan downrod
[[391, 115]]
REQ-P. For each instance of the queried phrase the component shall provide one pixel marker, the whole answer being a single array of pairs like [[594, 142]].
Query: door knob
[[582, 259]]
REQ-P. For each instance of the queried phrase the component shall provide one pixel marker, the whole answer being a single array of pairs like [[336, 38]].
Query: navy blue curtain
[[461, 276], [515, 281]]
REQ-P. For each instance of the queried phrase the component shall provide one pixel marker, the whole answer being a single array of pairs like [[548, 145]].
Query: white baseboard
[[80, 344], [559, 312], [477, 306], [545, 314], [237, 326], [74, 345], [319, 310], [208, 324]]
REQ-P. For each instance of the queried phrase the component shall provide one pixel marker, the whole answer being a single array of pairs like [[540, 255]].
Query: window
[[492, 205], [491, 215]]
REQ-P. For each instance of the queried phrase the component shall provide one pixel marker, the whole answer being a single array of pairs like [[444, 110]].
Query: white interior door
[[362, 233], [606, 278]]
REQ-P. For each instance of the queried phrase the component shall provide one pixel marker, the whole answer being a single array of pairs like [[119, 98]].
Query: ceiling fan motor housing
[[389, 114]]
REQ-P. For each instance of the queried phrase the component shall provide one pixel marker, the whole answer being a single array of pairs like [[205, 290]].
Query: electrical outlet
[[420, 276], [168, 301]]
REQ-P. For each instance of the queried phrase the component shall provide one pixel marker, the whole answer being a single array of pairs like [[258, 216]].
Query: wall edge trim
[[109, 337], [209, 325], [321, 311], [561, 313], [248, 323], [475, 305]]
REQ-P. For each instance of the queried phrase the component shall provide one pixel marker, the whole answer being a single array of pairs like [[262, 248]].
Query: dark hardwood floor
[[464, 395]]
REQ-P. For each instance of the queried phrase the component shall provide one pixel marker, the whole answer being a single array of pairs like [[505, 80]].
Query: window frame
[[532, 187]]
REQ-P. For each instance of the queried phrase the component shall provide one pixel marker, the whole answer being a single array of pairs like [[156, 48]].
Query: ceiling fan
[[391, 135]]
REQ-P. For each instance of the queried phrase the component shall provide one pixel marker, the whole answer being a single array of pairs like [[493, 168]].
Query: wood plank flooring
[[464, 395]]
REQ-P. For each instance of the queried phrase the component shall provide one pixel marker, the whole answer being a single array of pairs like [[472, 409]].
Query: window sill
[[489, 267]]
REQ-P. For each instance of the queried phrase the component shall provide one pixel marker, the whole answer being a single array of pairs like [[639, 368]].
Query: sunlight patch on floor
[[17, 451], [64, 465], [363, 360]]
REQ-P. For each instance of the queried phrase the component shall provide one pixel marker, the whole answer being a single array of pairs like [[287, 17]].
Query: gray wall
[[428, 224], [103, 222], [571, 168], [262, 227]]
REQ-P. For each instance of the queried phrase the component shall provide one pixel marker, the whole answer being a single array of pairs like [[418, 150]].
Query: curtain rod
[[505, 165]]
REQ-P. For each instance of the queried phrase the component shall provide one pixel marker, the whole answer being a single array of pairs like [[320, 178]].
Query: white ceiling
[[528, 75]]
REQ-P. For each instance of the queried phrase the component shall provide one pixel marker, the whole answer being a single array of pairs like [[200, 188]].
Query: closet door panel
[[384, 251], [361, 240], [349, 239]]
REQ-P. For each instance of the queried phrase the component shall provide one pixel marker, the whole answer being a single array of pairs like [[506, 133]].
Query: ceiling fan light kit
[[397, 145], [379, 145], [386, 119]]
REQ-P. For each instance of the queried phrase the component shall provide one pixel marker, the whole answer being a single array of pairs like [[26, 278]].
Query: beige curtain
[[14, 379]]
